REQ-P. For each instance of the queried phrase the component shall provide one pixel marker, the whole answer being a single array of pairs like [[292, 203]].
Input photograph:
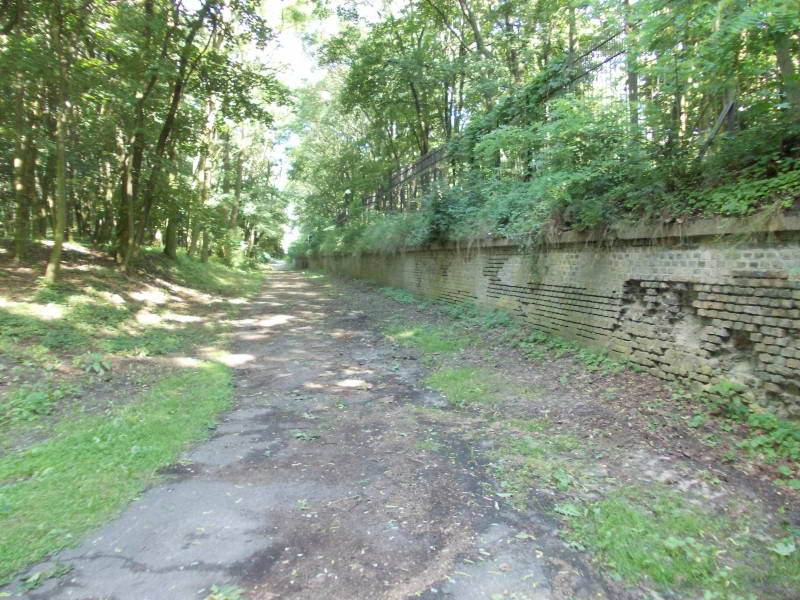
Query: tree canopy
[[133, 120], [138, 122], [547, 115]]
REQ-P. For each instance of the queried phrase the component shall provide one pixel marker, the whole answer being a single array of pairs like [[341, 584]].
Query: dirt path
[[358, 512], [332, 479]]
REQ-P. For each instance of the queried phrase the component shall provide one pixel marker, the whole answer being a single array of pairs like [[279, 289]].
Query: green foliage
[[97, 464], [656, 538], [774, 438], [144, 79], [654, 535], [546, 136], [471, 316], [32, 400], [225, 592], [538, 457], [213, 277]]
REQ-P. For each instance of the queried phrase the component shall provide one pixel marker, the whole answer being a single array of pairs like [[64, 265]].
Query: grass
[[53, 492], [401, 296], [654, 537], [429, 445], [212, 277], [61, 346], [430, 339], [89, 321], [536, 457], [97, 315], [465, 386]]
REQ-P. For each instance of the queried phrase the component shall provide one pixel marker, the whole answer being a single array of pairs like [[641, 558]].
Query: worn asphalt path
[[315, 485]]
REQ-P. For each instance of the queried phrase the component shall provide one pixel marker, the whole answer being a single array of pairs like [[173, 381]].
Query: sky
[[295, 67]]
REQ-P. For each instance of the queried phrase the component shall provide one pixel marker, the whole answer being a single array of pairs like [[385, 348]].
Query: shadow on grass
[[86, 327], [52, 492]]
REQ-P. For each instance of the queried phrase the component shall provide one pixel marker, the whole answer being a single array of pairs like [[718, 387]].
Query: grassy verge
[[53, 492], [211, 277], [723, 406], [429, 339], [87, 416], [465, 386], [57, 340]]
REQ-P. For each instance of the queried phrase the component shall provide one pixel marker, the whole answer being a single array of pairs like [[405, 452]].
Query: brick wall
[[702, 303]]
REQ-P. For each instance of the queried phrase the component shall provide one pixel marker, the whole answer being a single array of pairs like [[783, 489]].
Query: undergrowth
[[86, 321], [650, 537]]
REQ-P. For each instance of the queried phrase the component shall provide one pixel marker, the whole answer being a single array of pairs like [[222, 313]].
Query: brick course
[[702, 308]]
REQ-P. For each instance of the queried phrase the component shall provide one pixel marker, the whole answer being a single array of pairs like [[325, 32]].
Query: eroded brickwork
[[702, 309]]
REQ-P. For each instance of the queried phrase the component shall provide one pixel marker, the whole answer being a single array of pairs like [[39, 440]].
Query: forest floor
[[382, 447]]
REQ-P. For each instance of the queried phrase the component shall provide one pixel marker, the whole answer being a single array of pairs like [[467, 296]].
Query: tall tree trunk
[[231, 236], [184, 71], [44, 213], [60, 199], [632, 69], [22, 142], [513, 58], [791, 81], [171, 232], [205, 251], [131, 174]]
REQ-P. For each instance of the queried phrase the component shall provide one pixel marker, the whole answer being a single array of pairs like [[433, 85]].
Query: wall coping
[[719, 227]]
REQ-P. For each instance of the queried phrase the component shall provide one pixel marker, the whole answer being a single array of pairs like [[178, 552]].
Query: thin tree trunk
[[632, 73], [206, 248], [60, 200], [171, 232], [21, 155], [791, 82], [184, 71]]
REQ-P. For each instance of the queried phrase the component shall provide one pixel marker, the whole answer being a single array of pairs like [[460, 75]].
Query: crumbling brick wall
[[696, 305]]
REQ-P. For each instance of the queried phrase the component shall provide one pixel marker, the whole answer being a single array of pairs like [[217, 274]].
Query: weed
[[774, 438], [37, 579], [225, 592], [465, 386], [92, 362], [661, 539], [32, 400], [471, 316], [304, 436], [430, 339], [655, 535], [550, 459], [429, 445], [400, 296], [530, 426]]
